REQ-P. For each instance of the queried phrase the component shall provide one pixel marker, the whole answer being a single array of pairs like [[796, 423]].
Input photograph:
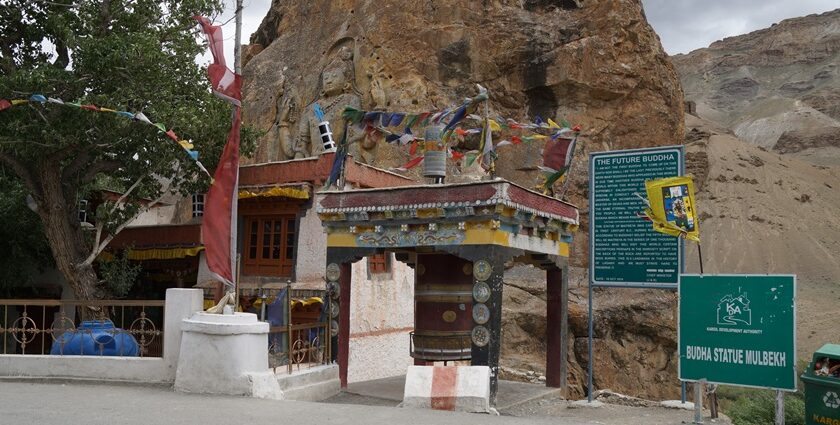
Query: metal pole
[[682, 392], [590, 368], [289, 324], [700, 255], [237, 48], [780, 407], [698, 402]]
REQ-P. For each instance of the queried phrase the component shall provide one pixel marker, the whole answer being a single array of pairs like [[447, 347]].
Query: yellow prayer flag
[[553, 124], [19, 101], [494, 126], [185, 144], [673, 210], [106, 110], [540, 136]]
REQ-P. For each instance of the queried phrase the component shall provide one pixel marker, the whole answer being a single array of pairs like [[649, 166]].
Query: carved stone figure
[[337, 91]]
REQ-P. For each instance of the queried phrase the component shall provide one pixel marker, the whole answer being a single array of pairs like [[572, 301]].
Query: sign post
[[738, 330], [624, 251]]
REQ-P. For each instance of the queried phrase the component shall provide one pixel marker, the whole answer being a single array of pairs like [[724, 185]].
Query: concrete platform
[[389, 391]]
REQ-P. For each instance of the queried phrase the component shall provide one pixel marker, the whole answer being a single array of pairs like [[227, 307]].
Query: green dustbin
[[822, 387]]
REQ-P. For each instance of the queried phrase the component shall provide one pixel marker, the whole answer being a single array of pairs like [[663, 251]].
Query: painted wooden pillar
[[339, 272], [556, 328], [344, 322], [488, 276]]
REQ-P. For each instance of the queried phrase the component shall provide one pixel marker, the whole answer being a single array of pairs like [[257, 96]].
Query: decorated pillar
[[339, 281], [486, 335]]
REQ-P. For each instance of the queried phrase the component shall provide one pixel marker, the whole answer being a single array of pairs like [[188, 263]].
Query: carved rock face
[[594, 63]]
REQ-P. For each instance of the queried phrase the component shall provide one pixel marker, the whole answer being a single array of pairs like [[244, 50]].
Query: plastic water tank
[[96, 338]]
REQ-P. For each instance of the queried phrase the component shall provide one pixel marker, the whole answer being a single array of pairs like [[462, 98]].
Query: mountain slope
[[776, 87]]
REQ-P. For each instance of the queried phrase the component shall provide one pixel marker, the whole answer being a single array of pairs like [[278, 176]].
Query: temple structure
[[459, 238]]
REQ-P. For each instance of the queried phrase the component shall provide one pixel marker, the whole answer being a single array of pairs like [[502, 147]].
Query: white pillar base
[[225, 354]]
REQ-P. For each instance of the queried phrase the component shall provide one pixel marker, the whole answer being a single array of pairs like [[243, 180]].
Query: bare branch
[[121, 200], [99, 226], [97, 249]]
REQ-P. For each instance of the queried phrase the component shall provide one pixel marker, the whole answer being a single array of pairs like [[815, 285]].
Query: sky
[[686, 25], [682, 25]]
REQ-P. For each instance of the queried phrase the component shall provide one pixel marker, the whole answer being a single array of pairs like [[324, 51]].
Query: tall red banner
[[218, 230]]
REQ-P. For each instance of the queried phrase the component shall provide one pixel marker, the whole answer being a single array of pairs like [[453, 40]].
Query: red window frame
[[378, 263]]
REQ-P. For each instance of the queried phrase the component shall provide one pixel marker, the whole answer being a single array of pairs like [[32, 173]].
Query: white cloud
[[253, 12], [685, 25]]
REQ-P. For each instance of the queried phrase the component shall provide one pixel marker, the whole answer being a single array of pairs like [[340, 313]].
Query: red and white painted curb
[[461, 388]]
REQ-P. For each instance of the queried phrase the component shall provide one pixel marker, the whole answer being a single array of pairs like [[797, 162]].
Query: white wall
[[381, 316], [180, 304], [311, 251], [164, 214]]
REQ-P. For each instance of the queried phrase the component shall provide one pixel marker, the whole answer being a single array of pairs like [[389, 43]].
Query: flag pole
[[234, 230], [237, 48]]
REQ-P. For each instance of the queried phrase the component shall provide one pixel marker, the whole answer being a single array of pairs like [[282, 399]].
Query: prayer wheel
[[434, 159], [442, 308]]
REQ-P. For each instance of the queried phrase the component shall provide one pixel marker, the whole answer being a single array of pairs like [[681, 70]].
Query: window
[[269, 245], [83, 210], [198, 205], [379, 263]]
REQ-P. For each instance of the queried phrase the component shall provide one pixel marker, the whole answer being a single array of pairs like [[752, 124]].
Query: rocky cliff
[[594, 63], [776, 88]]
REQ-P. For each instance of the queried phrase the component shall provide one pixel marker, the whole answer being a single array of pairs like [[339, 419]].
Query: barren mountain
[[776, 88]]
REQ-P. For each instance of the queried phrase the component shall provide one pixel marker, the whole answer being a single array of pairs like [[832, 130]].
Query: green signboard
[[738, 330], [624, 250]]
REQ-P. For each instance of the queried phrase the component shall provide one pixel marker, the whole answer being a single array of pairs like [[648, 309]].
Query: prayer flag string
[[139, 116]]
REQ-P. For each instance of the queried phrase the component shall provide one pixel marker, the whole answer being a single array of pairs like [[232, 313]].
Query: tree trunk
[[59, 214]]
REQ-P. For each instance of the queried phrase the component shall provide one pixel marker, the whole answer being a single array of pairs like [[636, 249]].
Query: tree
[[131, 55], [24, 252]]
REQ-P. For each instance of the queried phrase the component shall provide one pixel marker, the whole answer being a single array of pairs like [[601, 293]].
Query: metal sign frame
[[793, 318], [680, 151]]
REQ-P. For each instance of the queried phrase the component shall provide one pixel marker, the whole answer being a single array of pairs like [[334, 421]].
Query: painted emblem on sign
[[333, 272], [481, 292], [480, 336], [481, 314], [734, 310], [482, 270]]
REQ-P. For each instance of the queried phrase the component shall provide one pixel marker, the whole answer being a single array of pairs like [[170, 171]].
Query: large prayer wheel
[[442, 308]]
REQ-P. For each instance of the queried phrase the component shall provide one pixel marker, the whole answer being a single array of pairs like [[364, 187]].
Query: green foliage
[[24, 252], [746, 406], [119, 274], [131, 55]]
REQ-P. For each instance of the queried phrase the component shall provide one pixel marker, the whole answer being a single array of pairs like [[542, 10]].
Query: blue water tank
[[96, 338]]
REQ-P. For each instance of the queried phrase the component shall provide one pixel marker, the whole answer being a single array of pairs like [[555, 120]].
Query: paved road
[[90, 404]]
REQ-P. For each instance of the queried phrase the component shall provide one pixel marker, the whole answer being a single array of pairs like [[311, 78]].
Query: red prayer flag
[[172, 135], [5, 104], [557, 155], [226, 84], [218, 228]]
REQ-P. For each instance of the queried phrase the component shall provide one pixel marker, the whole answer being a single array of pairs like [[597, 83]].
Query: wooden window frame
[[258, 253]]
